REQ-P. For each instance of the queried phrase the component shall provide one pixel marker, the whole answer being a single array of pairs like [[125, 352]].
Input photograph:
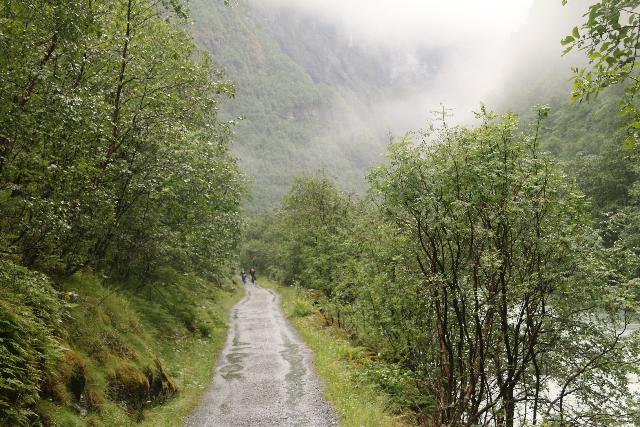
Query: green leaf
[[629, 143]]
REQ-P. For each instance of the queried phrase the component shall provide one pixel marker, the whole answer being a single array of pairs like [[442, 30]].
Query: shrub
[[302, 308], [31, 313], [398, 383]]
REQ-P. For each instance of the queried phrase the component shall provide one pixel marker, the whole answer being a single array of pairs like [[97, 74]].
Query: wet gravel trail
[[264, 376]]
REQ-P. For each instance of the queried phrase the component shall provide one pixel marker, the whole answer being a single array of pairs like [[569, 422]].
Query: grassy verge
[[192, 358], [124, 354], [338, 362]]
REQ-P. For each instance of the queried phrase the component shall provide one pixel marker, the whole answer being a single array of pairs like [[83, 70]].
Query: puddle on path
[[273, 295], [232, 369], [295, 376]]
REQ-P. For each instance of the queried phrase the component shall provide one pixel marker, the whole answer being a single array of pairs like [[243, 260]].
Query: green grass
[[192, 361], [174, 327], [337, 361]]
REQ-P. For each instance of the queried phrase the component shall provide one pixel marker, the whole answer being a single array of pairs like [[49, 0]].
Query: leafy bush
[[302, 309], [30, 314], [398, 383]]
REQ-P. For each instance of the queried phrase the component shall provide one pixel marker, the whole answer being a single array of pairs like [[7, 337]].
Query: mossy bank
[[90, 351]]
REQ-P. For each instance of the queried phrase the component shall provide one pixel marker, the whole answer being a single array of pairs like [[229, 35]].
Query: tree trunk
[[117, 102]]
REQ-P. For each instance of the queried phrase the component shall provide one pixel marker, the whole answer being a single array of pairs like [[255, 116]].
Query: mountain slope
[[315, 98], [292, 123]]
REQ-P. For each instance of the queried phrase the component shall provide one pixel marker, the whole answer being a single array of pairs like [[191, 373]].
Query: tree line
[[479, 266], [113, 160], [474, 263]]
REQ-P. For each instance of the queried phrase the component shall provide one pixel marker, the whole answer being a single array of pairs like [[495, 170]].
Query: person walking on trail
[[253, 275], [243, 275]]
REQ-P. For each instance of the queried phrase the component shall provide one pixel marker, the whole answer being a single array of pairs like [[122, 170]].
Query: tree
[[526, 318], [111, 151], [315, 215], [610, 38]]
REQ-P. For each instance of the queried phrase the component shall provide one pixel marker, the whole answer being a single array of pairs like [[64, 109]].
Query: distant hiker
[[243, 275], [253, 275]]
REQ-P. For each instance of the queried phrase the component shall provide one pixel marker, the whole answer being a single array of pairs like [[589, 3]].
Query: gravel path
[[264, 376]]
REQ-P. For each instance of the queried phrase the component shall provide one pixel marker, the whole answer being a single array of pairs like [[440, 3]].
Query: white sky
[[432, 22]]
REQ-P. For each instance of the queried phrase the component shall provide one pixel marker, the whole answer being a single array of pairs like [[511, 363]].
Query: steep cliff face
[[310, 97], [330, 55]]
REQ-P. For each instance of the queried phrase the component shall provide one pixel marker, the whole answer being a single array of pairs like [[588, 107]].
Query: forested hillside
[[313, 99], [310, 99], [291, 123]]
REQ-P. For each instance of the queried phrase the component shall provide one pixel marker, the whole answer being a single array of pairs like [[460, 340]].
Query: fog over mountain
[[433, 52], [416, 22], [358, 70]]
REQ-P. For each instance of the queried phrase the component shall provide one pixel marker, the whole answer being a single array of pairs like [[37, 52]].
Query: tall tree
[[524, 313], [111, 151]]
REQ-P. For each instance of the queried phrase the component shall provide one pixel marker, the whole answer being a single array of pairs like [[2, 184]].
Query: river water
[[553, 390]]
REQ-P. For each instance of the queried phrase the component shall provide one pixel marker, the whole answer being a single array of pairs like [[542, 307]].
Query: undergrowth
[[31, 314]]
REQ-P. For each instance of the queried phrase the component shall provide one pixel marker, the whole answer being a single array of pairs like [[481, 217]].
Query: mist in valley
[[164, 161], [331, 81]]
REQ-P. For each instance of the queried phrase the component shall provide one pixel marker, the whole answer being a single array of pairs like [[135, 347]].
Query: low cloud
[[458, 53], [418, 22]]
